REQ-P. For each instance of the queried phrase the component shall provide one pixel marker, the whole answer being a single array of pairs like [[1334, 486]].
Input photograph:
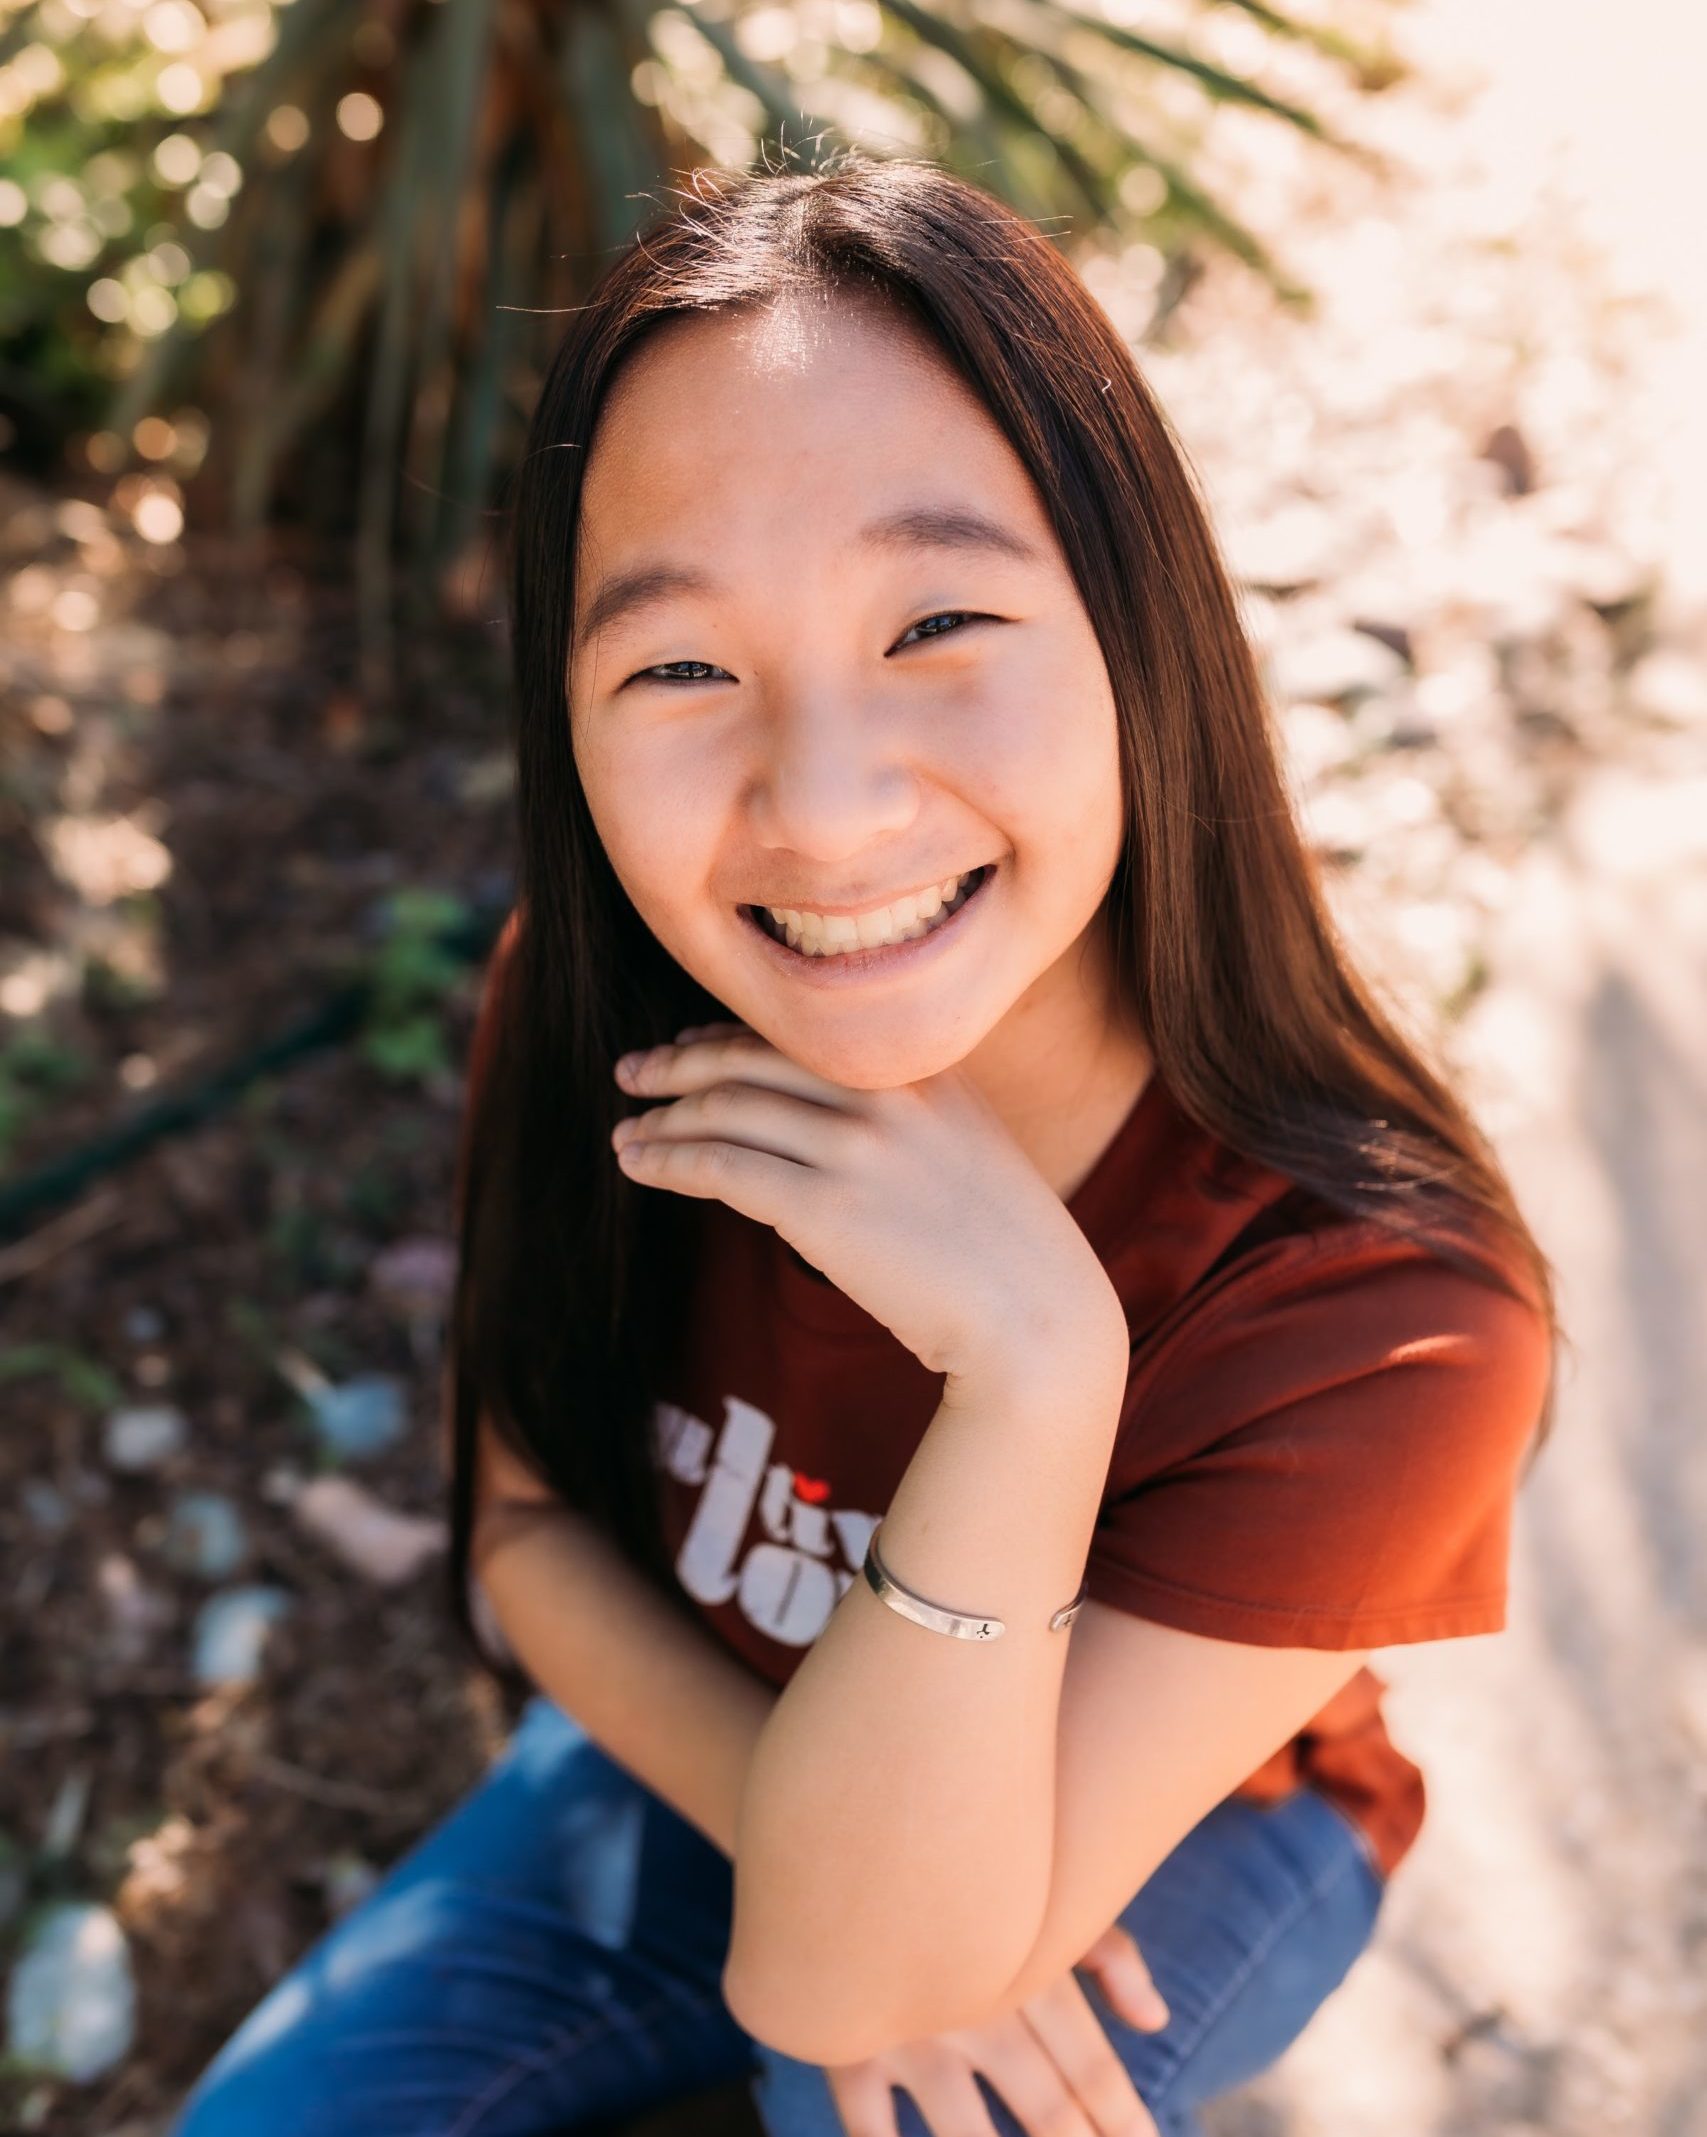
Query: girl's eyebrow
[[932, 526]]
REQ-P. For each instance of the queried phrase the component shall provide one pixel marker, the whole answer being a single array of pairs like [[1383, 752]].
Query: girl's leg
[[1247, 1928], [549, 1955]]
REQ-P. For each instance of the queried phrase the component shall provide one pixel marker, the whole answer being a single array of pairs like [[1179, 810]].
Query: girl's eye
[[658, 674], [954, 617]]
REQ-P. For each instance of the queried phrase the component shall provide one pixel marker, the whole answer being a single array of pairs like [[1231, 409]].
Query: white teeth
[[831, 935]]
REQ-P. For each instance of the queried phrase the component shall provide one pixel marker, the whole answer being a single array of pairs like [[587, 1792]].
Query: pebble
[[143, 1437], [359, 1417], [418, 1273], [45, 1505], [345, 1881], [205, 1535], [1299, 542], [280, 1483], [380, 1543], [71, 2003], [1334, 664], [136, 1613], [1667, 685], [230, 1633]]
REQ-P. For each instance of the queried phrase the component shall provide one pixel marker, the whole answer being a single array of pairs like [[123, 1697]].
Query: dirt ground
[[225, 1825], [1441, 495]]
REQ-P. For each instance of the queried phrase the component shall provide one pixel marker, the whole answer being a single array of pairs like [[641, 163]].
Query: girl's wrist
[[1062, 1342]]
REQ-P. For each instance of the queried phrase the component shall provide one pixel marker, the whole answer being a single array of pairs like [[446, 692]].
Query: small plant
[[35, 1067], [412, 976], [84, 1380]]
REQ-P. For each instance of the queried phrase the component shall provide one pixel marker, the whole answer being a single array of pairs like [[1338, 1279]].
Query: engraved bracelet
[[954, 1622]]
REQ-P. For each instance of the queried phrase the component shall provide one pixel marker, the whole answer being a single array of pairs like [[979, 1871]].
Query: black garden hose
[[24, 1201]]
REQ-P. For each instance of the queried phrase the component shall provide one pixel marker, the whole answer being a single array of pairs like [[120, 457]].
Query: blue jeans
[[550, 1955]]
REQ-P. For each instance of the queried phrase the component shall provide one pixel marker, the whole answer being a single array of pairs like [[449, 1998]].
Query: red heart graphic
[[811, 1489]]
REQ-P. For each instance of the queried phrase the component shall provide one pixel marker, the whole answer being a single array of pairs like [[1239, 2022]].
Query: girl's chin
[[874, 1060]]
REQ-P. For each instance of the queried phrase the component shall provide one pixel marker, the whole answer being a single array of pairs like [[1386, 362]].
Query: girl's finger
[[941, 2082], [760, 1118], [863, 2098], [1125, 1980], [741, 1055], [1079, 2050], [770, 1190], [1034, 2085]]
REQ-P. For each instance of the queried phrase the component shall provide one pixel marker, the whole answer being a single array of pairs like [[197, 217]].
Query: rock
[[417, 1274], [1331, 665], [1317, 741], [375, 1539], [1395, 636], [1395, 720], [1508, 449], [66, 1813], [1600, 573], [136, 1613], [1668, 685], [45, 1505], [1299, 545], [346, 1880], [230, 1633], [71, 2004], [142, 1438], [281, 1483], [360, 1417], [205, 1535]]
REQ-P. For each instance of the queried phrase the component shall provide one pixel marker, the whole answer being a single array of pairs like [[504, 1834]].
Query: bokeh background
[[1424, 291]]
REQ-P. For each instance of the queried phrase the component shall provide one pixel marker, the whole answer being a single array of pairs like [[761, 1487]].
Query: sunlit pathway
[[1521, 821]]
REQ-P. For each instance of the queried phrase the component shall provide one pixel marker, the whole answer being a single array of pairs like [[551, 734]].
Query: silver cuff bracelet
[[934, 1618]]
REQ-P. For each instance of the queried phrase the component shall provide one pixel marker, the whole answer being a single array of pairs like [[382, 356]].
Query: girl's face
[[829, 658]]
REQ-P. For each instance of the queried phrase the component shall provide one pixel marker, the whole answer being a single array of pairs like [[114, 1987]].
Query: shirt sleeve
[[1326, 1453]]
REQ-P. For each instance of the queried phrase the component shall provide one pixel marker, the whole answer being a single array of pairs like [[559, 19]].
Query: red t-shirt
[[1319, 1445]]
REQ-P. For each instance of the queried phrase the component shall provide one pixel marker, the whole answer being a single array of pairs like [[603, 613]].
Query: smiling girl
[[973, 1322]]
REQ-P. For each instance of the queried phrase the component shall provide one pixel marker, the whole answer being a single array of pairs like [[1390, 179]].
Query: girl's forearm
[[655, 1691], [896, 1841]]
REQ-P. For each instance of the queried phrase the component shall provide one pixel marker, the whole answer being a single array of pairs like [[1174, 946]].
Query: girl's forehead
[[803, 359]]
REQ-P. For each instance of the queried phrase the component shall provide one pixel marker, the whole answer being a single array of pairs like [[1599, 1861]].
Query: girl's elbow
[[831, 2024], [792, 2021]]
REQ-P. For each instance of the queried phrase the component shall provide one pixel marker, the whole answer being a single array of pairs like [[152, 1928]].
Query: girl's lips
[[850, 966]]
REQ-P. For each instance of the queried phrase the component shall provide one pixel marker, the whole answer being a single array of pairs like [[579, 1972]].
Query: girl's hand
[[1050, 2060], [916, 1202]]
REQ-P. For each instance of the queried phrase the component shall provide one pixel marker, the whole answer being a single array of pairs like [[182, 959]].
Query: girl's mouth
[[822, 953]]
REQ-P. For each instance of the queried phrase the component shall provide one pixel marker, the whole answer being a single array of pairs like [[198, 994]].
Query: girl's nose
[[830, 784]]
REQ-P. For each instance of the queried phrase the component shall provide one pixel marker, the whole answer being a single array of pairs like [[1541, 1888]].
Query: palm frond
[[396, 294]]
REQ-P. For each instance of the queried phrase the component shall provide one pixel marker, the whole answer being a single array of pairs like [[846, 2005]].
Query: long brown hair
[[571, 1277]]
